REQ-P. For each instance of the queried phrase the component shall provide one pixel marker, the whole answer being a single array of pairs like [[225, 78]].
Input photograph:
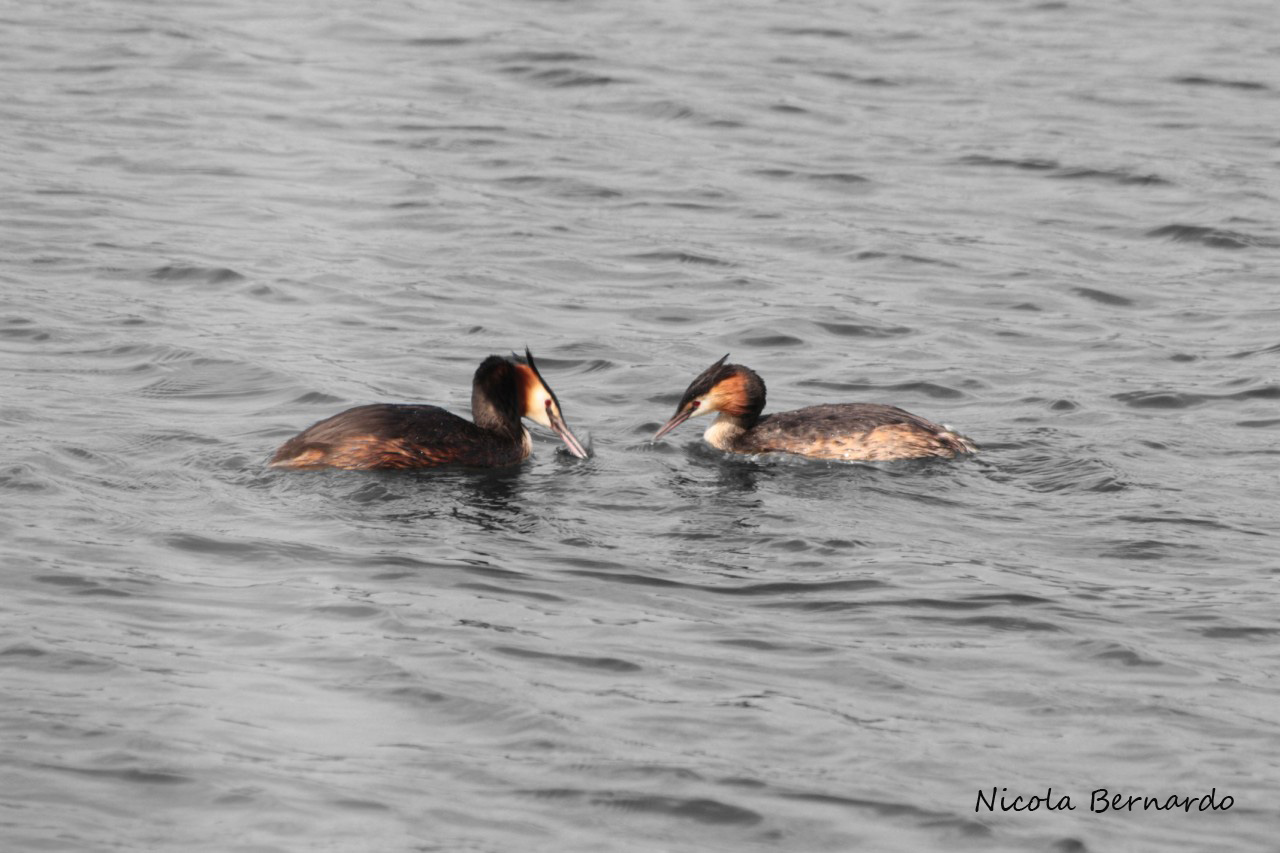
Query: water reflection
[[488, 500]]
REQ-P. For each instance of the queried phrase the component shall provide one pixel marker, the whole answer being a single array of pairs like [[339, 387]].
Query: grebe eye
[[696, 404]]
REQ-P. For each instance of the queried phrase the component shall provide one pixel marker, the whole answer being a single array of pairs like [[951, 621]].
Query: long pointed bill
[[680, 417], [570, 440]]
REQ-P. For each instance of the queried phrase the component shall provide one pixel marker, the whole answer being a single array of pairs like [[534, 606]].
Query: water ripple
[[1214, 238]]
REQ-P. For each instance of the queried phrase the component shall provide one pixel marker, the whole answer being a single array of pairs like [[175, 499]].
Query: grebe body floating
[[850, 431], [389, 436]]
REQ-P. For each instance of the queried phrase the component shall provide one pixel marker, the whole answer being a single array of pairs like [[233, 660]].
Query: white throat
[[723, 430]]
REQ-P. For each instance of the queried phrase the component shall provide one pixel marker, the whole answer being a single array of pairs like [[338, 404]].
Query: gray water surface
[[1050, 225]]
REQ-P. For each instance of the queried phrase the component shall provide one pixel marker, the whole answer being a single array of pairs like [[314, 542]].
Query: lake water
[[1052, 225]]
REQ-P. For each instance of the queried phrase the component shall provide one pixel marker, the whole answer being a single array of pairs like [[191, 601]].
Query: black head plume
[[706, 380], [528, 359]]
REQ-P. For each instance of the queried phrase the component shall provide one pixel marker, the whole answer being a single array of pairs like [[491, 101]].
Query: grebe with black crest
[[849, 431], [392, 435]]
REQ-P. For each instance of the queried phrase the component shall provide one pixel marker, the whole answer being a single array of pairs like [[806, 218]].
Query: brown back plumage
[[870, 431]]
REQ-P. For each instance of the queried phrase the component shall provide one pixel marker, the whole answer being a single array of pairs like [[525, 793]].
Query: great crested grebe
[[863, 431], [389, 435]]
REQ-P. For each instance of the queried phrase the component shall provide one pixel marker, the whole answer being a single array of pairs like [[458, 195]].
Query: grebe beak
[[546, 410], [560, 428], [680, 417]]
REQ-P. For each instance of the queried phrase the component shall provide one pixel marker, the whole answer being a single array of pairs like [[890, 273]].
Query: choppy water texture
[[1051, 225]]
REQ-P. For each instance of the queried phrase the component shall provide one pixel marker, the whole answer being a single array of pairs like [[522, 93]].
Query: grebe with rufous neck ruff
[[849, 431], [391, 435]]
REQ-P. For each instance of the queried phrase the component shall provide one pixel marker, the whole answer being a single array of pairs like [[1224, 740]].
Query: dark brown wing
[[384, 435], [869, 431]]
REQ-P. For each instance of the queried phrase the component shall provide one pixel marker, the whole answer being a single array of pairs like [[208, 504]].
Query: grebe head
[[539, 404], [731, 389]]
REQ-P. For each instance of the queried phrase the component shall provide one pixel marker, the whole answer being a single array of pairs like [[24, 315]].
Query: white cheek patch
[[535, 405], [721, 434], [704, 407], [541, 413]]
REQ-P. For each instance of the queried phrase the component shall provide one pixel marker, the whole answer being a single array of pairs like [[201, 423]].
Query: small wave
[[349, 611], [1216, 238], [832, 179], [125, 774], [207, 545], [894, 809], [780, 588], [150, 443], [928, 389], [360, 805], [560, 187], [772, 341], [1183, 521], [646, 772], [1102, 296], [207, 379], [559, 78], [195, 274], [1043, 465], [678, 257], [872, 255], [564, 78], [1145, 549], [418, 696], [699, 809], [65, 580], [1111, 652], [22, 329], [864, 330], [816, 32], [271, 551], [316, 398], [846, 77], [445, 41], [546, 56], [504, 590], [771, 646], [996, 623], [1115, 176], [23, 478], [1031, 164], [1271, 350], [972, 602], [760, 590], [1188, 400], [662, 109], [276, 295], [29, 656], [1056, 170], [1198, 80], [581, 661], [1160, 399], [1239, 632], [78, 585]]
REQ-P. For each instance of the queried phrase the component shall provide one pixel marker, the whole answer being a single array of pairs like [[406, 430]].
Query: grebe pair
[[386, 435]]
